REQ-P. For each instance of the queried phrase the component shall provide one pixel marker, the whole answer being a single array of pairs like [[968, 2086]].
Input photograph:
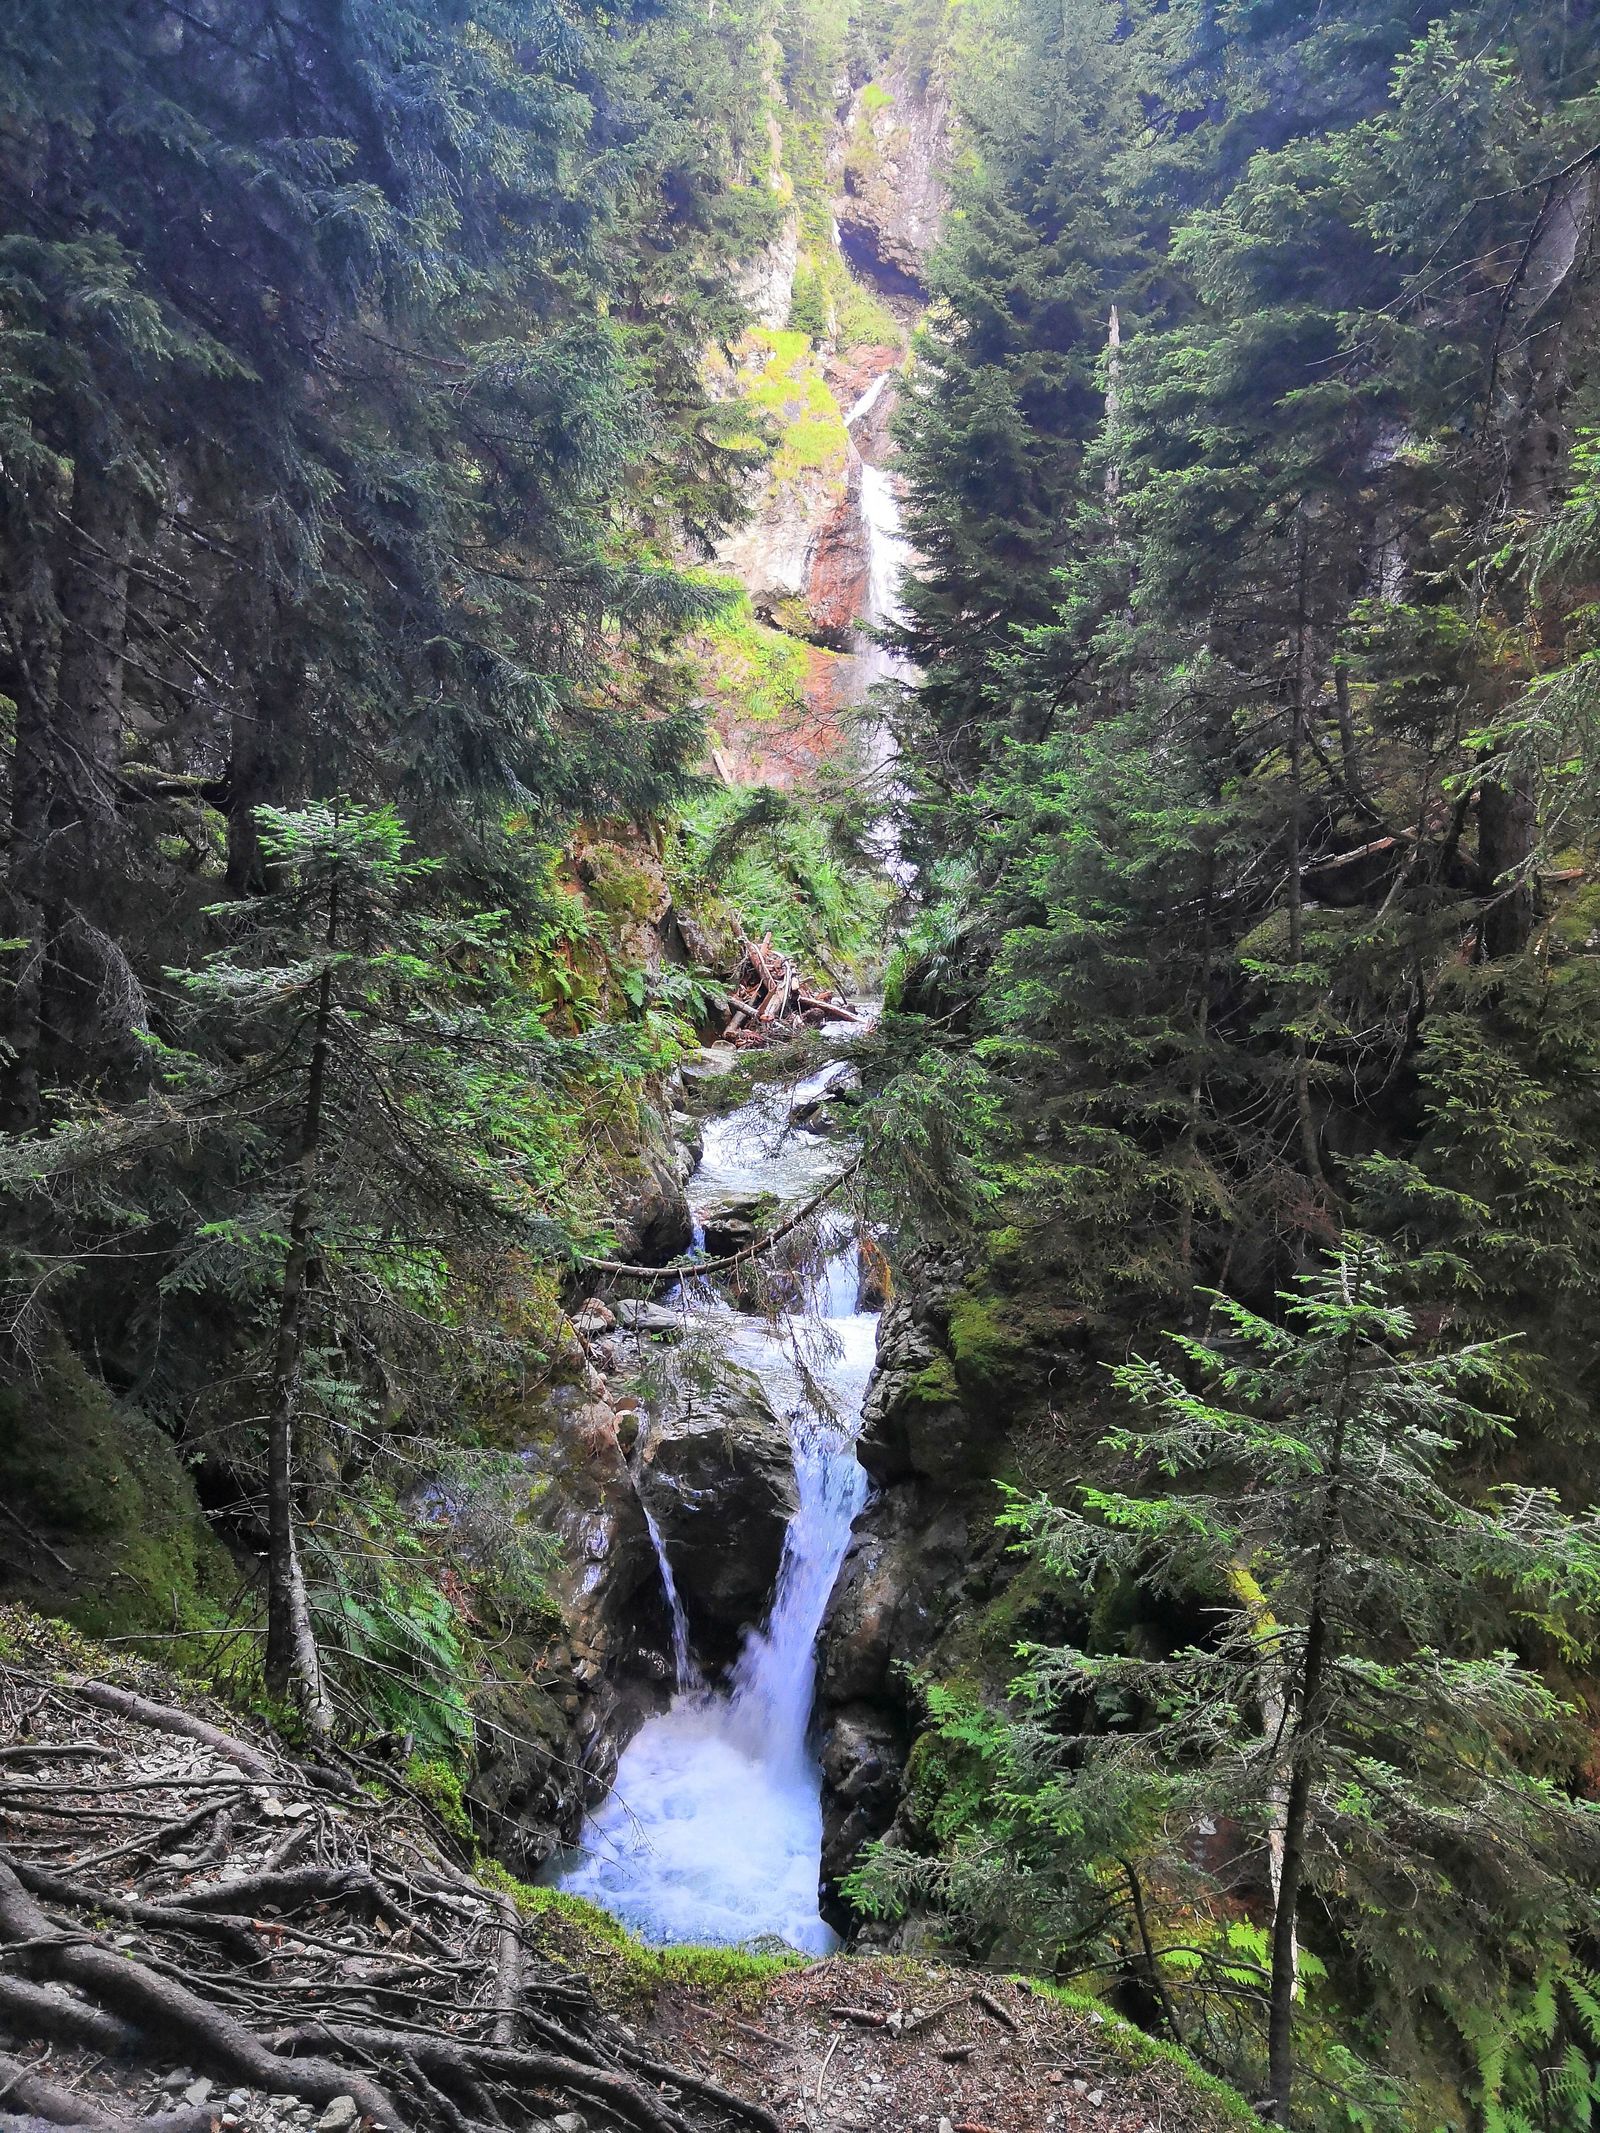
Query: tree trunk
[[29, 680], [93, 601], [264, 766], [1304, 1111], [1285, 1957], [292, 1668], [1505, 876]]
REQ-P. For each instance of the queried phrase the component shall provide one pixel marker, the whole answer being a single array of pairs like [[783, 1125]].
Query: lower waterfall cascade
[[712, 1831]]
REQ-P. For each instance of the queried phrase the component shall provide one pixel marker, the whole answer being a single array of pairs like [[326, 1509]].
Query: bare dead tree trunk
[[1303, 1764], [293, 1669], [1285, 1955], [26, 635], [1304, 1112]]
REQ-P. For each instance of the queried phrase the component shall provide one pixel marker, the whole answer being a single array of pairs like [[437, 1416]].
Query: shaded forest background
[[360, 468]]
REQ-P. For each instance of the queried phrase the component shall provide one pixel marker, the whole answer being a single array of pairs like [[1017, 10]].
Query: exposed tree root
[[163, 2008], [347, 1955], [22, 2091], [167, 1718]]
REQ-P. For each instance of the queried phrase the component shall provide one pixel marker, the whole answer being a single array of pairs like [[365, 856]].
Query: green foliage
[[799, 871], [105, 1528], [756, 671], [1346, 1692], [439, 1783], [785, 390]]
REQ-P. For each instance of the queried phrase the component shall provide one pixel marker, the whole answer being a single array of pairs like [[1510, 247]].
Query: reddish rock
[[840, 566]]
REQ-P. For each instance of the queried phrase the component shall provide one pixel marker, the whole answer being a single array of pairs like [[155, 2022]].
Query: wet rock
[[689, 1134], [653, 1222], [731, 1221], [717, 1472], [900, 1579], [593, 1318], [913, 1420], [863, 1769], [651, 1321], [547, 1742], [901, 1585], [839, 567], [713, 1063]]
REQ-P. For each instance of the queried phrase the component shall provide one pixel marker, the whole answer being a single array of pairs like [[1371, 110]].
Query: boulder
[[913, 1420], [647, 1320], [717, 1473], [712, 1063], [653, 1223], [731, 1221]]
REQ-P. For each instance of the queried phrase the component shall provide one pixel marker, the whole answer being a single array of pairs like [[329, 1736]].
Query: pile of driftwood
[[769, 998]]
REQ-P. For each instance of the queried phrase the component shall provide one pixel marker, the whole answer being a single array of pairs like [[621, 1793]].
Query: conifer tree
[[374, 1110]]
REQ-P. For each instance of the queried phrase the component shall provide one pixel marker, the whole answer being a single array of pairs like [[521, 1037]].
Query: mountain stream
[[713, 1828]]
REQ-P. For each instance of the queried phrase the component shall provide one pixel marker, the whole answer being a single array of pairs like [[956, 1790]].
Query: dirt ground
[[894, 2046]]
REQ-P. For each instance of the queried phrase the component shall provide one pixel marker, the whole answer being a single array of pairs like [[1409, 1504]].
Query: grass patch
[[1142, 2053], [757, 672], [629, 1972], [787, 387]]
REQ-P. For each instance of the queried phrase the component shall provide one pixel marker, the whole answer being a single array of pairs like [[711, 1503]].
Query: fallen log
[[679, 1268]]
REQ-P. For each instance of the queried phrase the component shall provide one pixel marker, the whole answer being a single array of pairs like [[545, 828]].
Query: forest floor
[[200, 1934], [895, 2045]]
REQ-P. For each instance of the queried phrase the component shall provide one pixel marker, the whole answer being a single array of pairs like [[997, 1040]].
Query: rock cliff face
[[893, 195], [546, 1753], [960, 1371], [804, 556]]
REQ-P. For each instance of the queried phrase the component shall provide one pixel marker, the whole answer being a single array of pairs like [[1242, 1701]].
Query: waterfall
[[713, 1828], [688, 1675], [888, 561]]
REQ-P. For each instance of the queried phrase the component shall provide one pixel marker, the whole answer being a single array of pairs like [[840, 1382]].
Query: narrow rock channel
[[713, 1828]]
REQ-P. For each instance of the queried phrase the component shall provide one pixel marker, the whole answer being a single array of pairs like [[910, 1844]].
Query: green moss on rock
[[106, 1530]]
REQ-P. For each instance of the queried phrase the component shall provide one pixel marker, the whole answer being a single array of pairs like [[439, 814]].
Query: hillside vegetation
[[1242, 1049]]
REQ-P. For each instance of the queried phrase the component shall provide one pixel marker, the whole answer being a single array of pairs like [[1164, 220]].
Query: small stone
[[1097, 2096], [570, 2122], [230, 2118], [339, 2116], [946, 2125], [238, 2098], [174, 2084], [197, 2091]]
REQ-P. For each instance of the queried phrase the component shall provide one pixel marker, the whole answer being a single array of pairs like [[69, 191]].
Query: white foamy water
[[713, 1828]]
